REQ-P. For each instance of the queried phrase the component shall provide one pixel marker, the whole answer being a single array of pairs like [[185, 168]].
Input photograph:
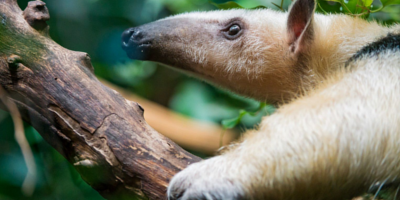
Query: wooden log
[[94, 127]]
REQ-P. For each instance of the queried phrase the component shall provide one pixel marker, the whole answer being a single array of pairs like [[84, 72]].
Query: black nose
[[136, 43], [130, 37]]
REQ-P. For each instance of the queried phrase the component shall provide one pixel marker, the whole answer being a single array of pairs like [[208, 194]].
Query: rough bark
[[200, 136], [102, 134]]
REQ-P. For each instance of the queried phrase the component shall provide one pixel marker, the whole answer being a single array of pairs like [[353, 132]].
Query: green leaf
[[351, 7], [226, 6], [262, 106], [322, 9], [360, 8], [389, 2], [329, 7], [367, 3], [230, 123], [386, 3]]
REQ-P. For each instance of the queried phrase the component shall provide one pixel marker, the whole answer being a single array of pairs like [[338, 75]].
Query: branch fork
[[102, 134]]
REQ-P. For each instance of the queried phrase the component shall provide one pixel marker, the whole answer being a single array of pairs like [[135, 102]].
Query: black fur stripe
[[390, 42]]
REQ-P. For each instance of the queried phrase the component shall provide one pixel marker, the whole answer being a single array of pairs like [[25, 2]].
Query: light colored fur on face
[[261, 59]]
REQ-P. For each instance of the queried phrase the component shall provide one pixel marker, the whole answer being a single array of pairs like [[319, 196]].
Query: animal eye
[[234, 29]]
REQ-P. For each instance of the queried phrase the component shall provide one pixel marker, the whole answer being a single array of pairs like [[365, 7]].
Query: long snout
[[158, 40]]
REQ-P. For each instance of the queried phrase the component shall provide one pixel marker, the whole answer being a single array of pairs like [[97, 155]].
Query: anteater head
[[251, 52]]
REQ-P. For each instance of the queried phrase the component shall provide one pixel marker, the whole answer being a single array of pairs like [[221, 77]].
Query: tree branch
[[195, 135], [95, 128]]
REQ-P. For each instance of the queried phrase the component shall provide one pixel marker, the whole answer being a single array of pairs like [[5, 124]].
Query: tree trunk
[[102, 134]]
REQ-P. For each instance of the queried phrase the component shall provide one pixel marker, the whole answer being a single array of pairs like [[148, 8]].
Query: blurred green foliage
[[232, 5], [95, 26]]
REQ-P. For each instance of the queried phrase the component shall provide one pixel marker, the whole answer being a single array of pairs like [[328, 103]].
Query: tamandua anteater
[[335, 77]]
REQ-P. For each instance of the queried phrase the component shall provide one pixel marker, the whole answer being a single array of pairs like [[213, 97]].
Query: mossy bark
[[102, 134]]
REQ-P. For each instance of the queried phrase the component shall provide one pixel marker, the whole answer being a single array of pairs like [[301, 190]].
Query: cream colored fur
[[339, 134], [261, 61]]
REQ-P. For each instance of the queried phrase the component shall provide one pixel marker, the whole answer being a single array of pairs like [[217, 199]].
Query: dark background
[[95, 26]]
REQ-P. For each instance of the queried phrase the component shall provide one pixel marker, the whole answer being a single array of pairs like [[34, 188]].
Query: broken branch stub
[[103, 135], [36, 14]]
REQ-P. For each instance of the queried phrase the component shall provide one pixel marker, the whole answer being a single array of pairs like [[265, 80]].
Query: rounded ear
[[300, 25]]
